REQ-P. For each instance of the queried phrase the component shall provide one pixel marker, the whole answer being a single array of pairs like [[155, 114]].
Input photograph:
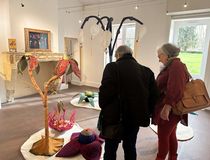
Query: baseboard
[[86, 83], [92, 84], [77, 83], [63, 86]]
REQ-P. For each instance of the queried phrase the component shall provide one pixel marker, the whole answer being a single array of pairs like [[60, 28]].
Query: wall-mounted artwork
[[37, 40], [12, 45]]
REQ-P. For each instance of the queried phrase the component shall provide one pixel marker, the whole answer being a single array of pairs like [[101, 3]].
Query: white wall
[[68, 26], [4, 25], [4, 35], [36, 14], [152, 14], [175, 6]]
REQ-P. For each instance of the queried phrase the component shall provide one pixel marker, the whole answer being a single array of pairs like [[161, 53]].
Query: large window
[[126, 37], [192, 36]]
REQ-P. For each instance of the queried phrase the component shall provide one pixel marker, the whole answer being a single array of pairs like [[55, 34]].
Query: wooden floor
[[24, 117]]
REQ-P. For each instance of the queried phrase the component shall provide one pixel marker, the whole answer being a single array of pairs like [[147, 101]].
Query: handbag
[[195, 97], [112, 131]]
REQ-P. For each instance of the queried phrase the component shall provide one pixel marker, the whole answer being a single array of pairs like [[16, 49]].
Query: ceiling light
[[136, 7], [185, 4]]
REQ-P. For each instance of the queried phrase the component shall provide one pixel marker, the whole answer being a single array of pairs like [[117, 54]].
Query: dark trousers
[[128, 143]]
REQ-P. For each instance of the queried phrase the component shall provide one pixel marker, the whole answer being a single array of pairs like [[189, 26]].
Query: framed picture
[[37, 40], [12, 45]]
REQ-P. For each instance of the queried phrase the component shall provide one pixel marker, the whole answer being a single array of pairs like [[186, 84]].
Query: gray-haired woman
[[171, 82]]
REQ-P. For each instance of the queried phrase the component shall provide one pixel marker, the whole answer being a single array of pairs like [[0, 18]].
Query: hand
[[164, 114]]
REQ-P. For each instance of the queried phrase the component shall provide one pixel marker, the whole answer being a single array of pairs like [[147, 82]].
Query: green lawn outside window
[[192, 60]]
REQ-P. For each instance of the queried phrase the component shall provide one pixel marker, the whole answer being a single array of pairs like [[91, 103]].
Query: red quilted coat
[[171, 82]]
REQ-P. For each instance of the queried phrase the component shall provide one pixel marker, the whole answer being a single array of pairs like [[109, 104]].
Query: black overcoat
[[137, 88]]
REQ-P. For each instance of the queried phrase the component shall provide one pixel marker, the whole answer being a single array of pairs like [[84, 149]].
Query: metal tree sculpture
[[109, 28], [47, 145], [118, 32]]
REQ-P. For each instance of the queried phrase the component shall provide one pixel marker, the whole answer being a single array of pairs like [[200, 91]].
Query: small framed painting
[[12, 45], [37, 40]]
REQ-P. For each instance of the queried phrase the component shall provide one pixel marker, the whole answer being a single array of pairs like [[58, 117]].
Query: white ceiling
[[95, 2], [77, 3]]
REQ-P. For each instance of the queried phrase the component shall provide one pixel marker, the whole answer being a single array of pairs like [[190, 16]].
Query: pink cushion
[[71, 149], [91, 151]]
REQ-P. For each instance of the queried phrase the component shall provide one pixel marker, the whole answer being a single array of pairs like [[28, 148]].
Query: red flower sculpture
[[33, 62], [61, 67], [75, 68], [57, 119], [41, 147]]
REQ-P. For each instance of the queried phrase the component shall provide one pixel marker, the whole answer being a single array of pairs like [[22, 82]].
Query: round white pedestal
[[84, 104], [37, 136], [183, 133]]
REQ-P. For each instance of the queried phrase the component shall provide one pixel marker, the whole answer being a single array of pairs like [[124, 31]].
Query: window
[[126, 37], [192, 36]]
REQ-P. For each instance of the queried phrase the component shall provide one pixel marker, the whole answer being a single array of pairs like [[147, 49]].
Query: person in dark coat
[[136, 86], [171, 82]]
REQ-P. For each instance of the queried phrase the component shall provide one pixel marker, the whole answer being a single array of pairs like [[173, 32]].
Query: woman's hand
[[164, 114]]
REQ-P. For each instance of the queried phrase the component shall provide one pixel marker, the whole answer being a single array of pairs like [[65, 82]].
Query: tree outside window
[[191, 35]]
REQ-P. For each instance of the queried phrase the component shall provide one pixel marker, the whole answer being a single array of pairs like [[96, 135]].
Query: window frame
[[198, 20]]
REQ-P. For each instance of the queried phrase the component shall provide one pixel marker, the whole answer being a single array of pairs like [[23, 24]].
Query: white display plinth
[[84, 104], [183, 133], [37, 136]]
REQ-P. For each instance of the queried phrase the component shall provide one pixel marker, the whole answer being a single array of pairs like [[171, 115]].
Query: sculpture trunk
[[46, 121], [46, 145]]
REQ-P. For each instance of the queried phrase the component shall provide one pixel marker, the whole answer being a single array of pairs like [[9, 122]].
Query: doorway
[[71, 49]]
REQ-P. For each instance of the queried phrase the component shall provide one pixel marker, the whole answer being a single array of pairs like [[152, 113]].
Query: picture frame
[[37, 40], [12, 45]]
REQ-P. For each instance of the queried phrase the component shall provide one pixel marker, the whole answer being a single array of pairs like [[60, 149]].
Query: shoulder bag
[[195, 97]]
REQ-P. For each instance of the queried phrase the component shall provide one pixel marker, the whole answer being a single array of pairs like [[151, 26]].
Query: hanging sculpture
[[109, 28], [47, 145]]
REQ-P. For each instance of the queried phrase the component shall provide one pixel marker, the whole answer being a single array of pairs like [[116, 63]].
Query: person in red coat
[[171, 82]]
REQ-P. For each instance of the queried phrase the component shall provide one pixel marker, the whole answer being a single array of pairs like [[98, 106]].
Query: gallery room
[[58, 73]]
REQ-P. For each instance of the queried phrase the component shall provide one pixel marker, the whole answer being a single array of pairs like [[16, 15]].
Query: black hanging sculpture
[[109, 28]]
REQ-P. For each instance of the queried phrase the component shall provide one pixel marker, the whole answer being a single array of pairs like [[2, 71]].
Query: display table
[[84, 104], [36, 136], [183, 133]]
